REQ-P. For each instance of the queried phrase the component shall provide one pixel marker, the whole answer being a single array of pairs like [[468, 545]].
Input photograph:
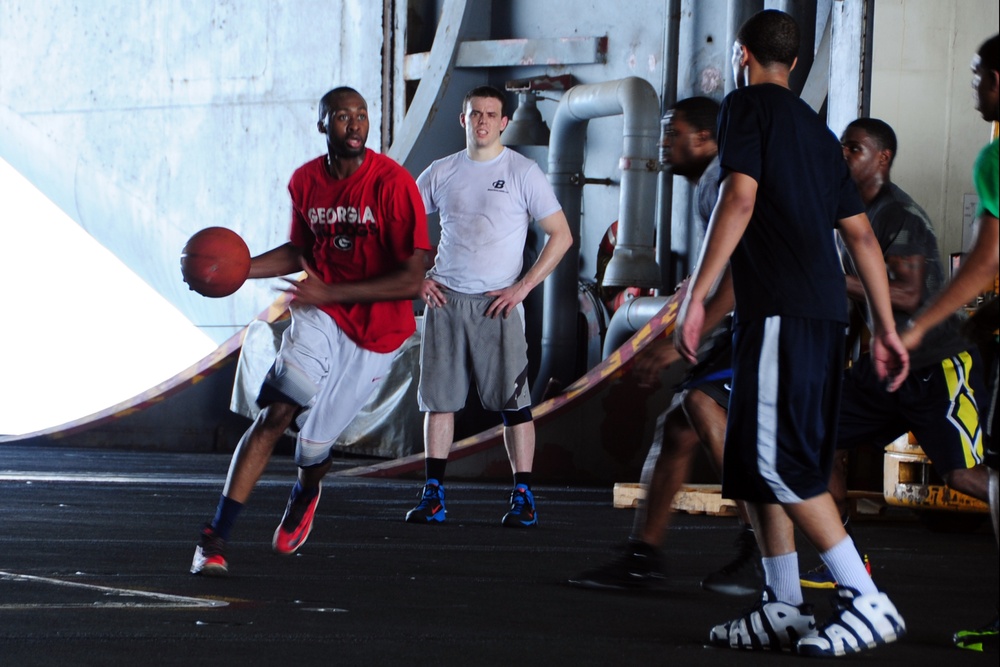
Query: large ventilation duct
[[632, 316], [633, 262]]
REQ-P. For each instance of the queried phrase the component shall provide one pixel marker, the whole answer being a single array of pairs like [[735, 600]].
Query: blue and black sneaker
[[522, 509], [431, 505]]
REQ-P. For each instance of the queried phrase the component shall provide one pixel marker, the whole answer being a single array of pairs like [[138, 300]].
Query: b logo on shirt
[[499, 185]]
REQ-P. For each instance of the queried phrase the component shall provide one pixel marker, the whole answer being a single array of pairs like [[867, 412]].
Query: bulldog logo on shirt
[[343, 223]]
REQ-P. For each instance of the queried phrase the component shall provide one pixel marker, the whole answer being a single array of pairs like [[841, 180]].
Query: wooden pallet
[[691, 498], [707, 499]]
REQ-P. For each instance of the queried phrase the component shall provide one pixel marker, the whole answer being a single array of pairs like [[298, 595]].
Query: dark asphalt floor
[[95, 546]]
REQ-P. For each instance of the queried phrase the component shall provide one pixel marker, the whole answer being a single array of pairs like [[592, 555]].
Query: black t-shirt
[[904, 230], [786, 263]]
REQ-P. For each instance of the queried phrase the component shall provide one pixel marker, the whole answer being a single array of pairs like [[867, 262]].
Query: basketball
[[215, 262]]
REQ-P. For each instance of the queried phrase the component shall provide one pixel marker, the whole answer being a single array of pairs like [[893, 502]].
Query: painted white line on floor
[[98, 478], [161, 600]]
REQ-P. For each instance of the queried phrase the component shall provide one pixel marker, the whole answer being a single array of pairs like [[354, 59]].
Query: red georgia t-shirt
[[360, 227]]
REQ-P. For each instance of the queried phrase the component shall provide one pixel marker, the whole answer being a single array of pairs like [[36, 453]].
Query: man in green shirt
[[979, 268]]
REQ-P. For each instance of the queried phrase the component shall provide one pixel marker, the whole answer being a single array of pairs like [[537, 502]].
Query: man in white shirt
[[487, 196]]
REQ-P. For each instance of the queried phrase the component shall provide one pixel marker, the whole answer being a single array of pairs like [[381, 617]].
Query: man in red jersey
[[359, 231]]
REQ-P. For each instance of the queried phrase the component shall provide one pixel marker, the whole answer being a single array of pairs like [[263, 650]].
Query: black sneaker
[[821, 577], [638, 568], [742, 576], [982, 640]]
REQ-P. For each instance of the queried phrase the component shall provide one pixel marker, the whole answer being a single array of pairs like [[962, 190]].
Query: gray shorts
[[324, 372], [459, 342]]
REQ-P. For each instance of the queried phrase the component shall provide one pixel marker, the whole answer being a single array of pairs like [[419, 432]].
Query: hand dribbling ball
[[215, 262]]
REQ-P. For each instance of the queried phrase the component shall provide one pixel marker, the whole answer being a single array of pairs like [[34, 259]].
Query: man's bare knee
[[694, 401], [276, 417], [702, 409], [708, 419], [677, 433]]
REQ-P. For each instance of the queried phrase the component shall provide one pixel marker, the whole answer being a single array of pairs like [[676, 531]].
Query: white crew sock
[[847, 567], [781, 574]]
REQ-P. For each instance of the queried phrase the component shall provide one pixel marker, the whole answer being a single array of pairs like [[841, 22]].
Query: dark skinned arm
[[661, 353], [402, 283], [279, 261], [737, 195], [906, 282], [973, 276]]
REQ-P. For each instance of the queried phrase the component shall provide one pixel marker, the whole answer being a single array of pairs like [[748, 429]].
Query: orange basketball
[[215, 262]]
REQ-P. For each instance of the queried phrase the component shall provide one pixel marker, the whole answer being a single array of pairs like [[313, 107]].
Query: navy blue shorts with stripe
[[782, 429]]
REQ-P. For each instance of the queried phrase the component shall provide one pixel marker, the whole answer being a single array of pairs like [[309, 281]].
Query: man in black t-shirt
[[785, 188], [939, 401]]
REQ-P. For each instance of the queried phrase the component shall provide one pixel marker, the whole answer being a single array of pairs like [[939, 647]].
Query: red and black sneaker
[[295, 525], [209, 556]]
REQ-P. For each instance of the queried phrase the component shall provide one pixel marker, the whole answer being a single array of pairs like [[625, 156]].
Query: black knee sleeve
[[515, 417]]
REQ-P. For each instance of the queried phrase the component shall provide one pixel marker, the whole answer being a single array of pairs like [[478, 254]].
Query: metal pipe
[[636, 100], [634, 260], [632, 316], [665, 180]]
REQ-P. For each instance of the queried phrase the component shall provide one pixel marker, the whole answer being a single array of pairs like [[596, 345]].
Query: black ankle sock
[[522, 479], [434, 468]]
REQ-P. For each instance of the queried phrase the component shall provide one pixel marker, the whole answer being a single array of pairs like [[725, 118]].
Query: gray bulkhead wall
[[635, 39], [149, 121], [637, 44]]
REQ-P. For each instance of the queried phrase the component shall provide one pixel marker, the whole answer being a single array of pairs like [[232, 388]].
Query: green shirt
[[986, 175]]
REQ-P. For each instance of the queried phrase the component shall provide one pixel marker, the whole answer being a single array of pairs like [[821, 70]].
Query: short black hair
[[485, 91], [772, 36], [701, 113], [328, 99], [880, 131], [989, 54]]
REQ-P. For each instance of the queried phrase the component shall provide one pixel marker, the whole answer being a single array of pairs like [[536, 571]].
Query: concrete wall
[[635, 48], [149, 121], [921, 86]]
